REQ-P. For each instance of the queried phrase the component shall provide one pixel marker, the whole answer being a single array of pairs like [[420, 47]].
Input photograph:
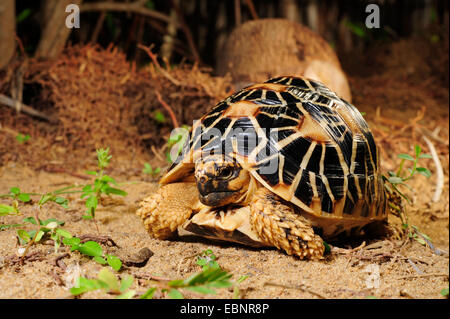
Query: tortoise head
[[221, 180]]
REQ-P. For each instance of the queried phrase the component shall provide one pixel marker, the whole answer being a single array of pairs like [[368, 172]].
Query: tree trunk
[[7, 31], [54, 33]]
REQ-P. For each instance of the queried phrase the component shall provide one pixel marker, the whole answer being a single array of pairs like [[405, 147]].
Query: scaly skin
[[278, 225], [168, 208]]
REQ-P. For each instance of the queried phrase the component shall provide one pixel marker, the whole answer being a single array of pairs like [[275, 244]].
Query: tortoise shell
[[326, 159]]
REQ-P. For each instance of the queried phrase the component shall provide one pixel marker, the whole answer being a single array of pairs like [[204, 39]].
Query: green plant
[[107, 281], [397, 179], [444, 292], [49, 227], [16, 194], [207, 259], [148, 170], [204, 282], [101, 185], [159, 116], [93, 249], [22, 138]]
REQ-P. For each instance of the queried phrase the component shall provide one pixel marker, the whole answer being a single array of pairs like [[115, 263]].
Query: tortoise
[[285, 163]]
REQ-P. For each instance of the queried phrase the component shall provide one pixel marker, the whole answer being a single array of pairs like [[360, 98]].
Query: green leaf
[[115, 191], [108, 179], [24, 197], [91, 248], [175, 294], [22, 138], [63, 233], [73, 241], [424, 171], [425, 156], [85, 285], [110, 279], [126, 283], [395, 180], [47, 221], [147, 169], [100, 260], [327, 248], [444, 292], [23, 234], [148, 294], [417, 150], [15, 190], [92, 202], [23, 15], [406, 157], [62, 201], [39, 236], [91, 173], [114, 262], [202, 289], [159, 116], [127, 295], [6, 226], [6, 210], [176, 283]]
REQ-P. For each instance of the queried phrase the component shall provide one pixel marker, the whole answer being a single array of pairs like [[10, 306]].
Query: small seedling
[[159, 117], [9, 210], [397, 179], [204, 282], [444, 292], [22, 138], [101, 185], [93, 249], [149, 171], [16, 195], [236, 290], [49, 227], [207, 259], [106, 281]]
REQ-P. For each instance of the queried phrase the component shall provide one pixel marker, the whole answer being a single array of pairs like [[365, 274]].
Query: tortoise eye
[[225, 173]]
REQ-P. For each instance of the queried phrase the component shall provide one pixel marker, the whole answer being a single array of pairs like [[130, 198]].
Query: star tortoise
[[283, 163]]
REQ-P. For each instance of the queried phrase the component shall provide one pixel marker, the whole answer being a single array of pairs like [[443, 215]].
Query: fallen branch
[[5, 100], [155, 62], [439, 171]]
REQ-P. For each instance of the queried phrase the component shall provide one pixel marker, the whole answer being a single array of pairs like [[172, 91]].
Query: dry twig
[[14, 104], [168, 108], [439, 171], [299, 287], [158, 66]]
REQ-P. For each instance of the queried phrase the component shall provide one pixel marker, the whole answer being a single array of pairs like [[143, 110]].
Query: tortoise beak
[[216, 199], [212, 192]]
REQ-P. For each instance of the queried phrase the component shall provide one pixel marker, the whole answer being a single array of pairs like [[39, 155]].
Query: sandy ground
[[406, 270]]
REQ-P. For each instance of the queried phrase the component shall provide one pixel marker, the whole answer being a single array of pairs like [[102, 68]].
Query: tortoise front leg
[[168, 208], [278, 225]]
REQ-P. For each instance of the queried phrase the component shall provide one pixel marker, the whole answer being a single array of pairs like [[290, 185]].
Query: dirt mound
[[99, 99]]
